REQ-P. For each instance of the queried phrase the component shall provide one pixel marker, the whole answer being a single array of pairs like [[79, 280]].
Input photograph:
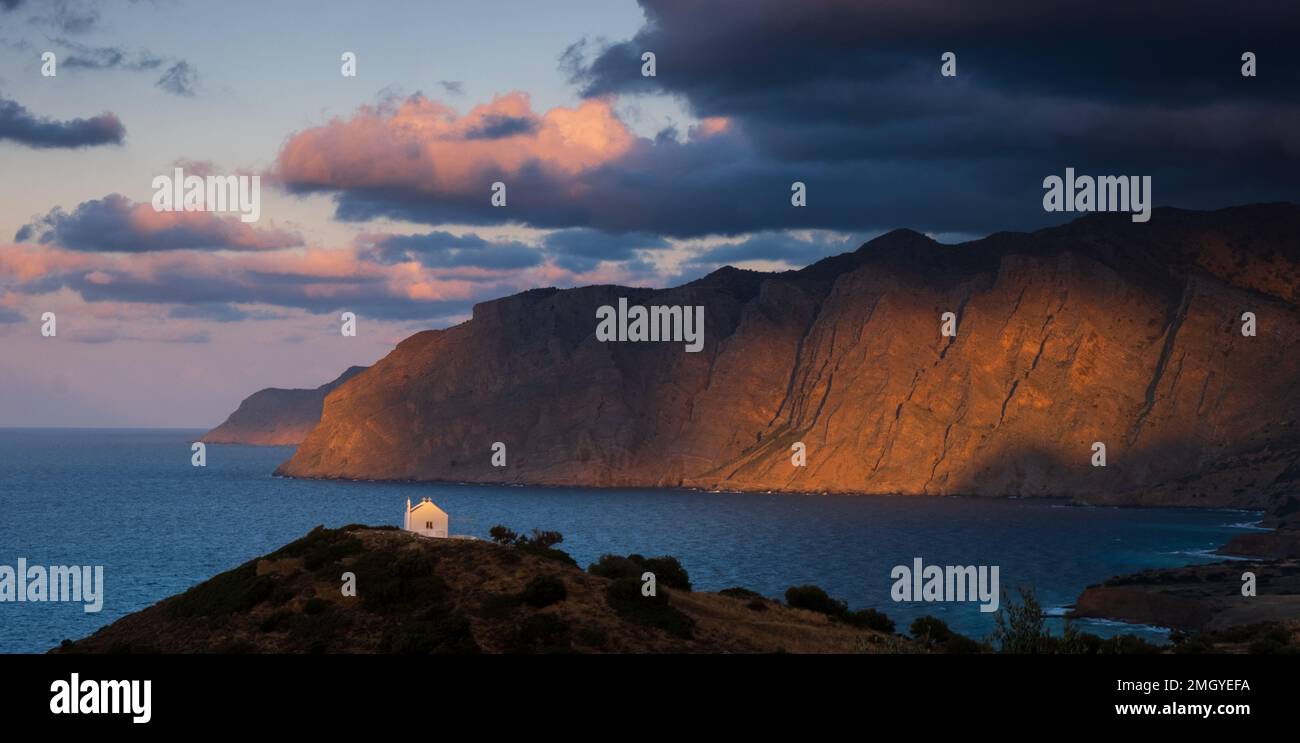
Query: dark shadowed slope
[[276, 417]]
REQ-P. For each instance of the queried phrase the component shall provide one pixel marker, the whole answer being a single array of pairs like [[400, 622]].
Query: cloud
[[498, 126], [116, 224], [837, 91], [179, 79], [445, 250], [87, 57], [452, 87], [580, 250], [69, 16], [10, 317], [17, 124], [776, 247]]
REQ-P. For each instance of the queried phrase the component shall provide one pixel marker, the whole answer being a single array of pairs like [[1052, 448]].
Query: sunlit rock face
[[276, 417], [1099, 331]]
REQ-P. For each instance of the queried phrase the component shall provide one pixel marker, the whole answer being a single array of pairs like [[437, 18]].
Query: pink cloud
[[424, 145]]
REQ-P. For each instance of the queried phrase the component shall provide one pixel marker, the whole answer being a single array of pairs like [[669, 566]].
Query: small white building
[[425, 519]]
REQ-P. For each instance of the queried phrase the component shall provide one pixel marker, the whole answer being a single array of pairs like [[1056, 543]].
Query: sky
[[376, 188]]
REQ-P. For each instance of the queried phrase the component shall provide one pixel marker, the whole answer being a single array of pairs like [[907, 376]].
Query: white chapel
[[425, 519]]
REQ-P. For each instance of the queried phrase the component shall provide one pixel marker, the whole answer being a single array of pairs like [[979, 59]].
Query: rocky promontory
[[276, 417]]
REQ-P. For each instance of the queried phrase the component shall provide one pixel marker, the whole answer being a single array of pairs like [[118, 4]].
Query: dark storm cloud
[[445, 250], [581, 250], [19, 125], [116, 224], [844, 87], [847, 97]]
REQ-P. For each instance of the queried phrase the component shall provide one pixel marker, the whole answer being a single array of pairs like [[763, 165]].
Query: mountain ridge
[[1096, 330]]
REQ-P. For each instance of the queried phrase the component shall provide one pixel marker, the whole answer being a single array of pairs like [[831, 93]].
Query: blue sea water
[[130, 500]]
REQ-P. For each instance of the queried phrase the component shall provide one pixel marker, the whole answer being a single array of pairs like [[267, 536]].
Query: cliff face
[[1101, 330], [276, 417]]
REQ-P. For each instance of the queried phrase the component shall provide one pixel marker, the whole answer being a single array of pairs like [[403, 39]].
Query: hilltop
[[421, 595]]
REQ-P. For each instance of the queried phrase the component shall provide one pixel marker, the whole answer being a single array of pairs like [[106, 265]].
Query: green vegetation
[[668, 571], [224, 594], [540, 543], [624, 597], [740, 593], [1021, 629], [935, 635], [543, 591], [1264, 638], [813, 598], [320, 548]]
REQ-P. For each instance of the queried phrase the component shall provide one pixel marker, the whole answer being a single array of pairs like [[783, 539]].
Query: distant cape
[[276, 417], [1097, 331]]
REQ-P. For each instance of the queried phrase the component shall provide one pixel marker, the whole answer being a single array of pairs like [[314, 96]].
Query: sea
[[131, 501]]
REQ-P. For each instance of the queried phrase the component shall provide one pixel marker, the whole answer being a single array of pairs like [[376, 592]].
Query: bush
[[815, 599], [1020, 627], [869, 619], [930, 630], [667, 570], [540, 543], [226, 593], [624, 597], [740, 593], [542, 591], [449, 633], [388, 583], [321, 547]]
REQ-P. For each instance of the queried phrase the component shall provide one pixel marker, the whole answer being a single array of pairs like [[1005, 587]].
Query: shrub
[[624, 597], [225, 593], [389, 583], [1020, 626], [667, 570], [869, 619], [540, 543], [930, 630], [542, 591], [1127, 645], [448, 633], [740, 593], [320, 547], [815, 599]]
